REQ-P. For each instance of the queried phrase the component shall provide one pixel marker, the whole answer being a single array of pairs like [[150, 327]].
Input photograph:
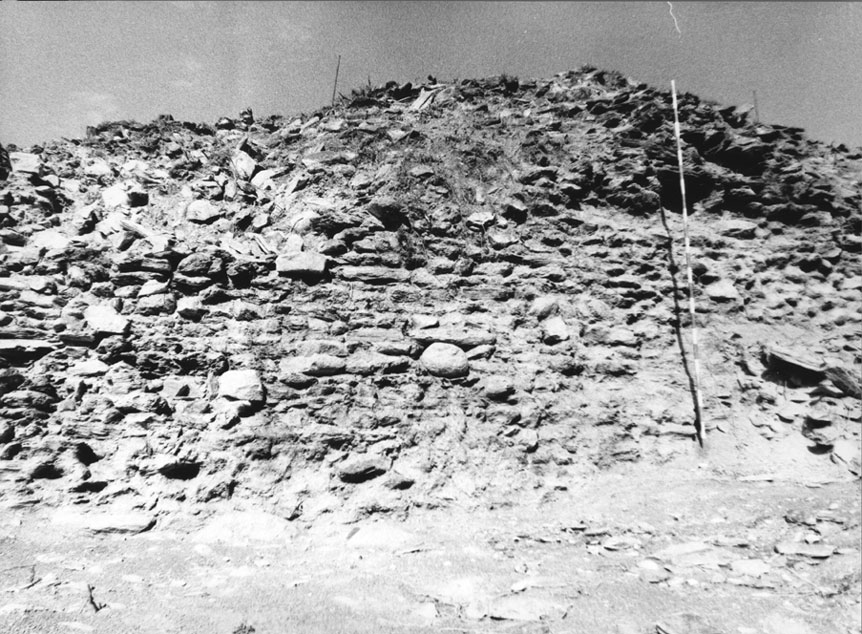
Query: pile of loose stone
[[426, 293]]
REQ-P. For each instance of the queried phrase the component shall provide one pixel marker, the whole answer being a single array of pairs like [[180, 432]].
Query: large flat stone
[[304, 264], [363, 467], [103, 319], [464, 338], [313, 365], [119, 522], [372, 274], [242, 385]]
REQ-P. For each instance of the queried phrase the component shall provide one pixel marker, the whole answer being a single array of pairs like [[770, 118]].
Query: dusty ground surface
[[631, 550]]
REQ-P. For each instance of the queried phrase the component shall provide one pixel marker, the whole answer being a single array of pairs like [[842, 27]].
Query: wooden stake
[[335, 85], [701, 428]]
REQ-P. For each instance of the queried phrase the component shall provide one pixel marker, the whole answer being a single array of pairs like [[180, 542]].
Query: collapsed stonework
[[425, 293]]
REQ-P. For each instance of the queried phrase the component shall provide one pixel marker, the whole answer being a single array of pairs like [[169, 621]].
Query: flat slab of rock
[[305, 264], [464, 338], [814, 551], [737, 228], [445, 360], [365, 363], [361, 468], [49, 239], [203, 212], [314, 365], [242, 385], [25, 162], [190, 308], [750, 567], [105, 320], [121, 522], [695, 554], [786, 360], [90, 367], [722, 291], [524, 608], [17, 346], [373, 274]]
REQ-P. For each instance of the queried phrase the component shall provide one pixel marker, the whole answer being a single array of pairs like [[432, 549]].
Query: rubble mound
[[425, 293]]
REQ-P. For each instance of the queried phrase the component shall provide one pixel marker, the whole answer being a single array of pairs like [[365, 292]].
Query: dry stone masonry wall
[[423, 294]]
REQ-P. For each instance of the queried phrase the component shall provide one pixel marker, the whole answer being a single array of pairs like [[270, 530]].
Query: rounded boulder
[[445, 360]]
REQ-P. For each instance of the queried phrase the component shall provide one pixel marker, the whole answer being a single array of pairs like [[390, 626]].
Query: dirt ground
[[707, 543]]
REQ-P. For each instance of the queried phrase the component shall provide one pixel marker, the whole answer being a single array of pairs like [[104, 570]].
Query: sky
[[66, 65]]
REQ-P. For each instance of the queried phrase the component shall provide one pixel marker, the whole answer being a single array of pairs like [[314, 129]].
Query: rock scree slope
[[425, 294]]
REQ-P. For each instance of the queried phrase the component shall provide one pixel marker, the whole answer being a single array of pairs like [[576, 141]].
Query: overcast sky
[[66, 65]]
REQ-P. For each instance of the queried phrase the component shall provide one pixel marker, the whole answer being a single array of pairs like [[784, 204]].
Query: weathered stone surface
[[737, 228], [203, 211], [121, 522], [25, 162], [462, 337], [190, 308], [153, 287], [445, 360], [498, 388], [367, 363], [124, 194], [814, 551], [90, 367], [156, 304], [750, 567], [362, 467], [104, 319], [543, 307], [201, 263], [15, 347], [372, 274], [722, 291], [50, 239], [555, 330], [244, 164], [305, 264], [242, 385], [245, 311], [313, 365]]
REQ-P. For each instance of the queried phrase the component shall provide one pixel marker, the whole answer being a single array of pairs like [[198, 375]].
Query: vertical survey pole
[[695, 353], [335, 84]]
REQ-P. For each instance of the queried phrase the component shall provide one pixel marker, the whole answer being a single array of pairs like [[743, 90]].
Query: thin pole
[[337, 66], [701, 429], [756, 110]]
